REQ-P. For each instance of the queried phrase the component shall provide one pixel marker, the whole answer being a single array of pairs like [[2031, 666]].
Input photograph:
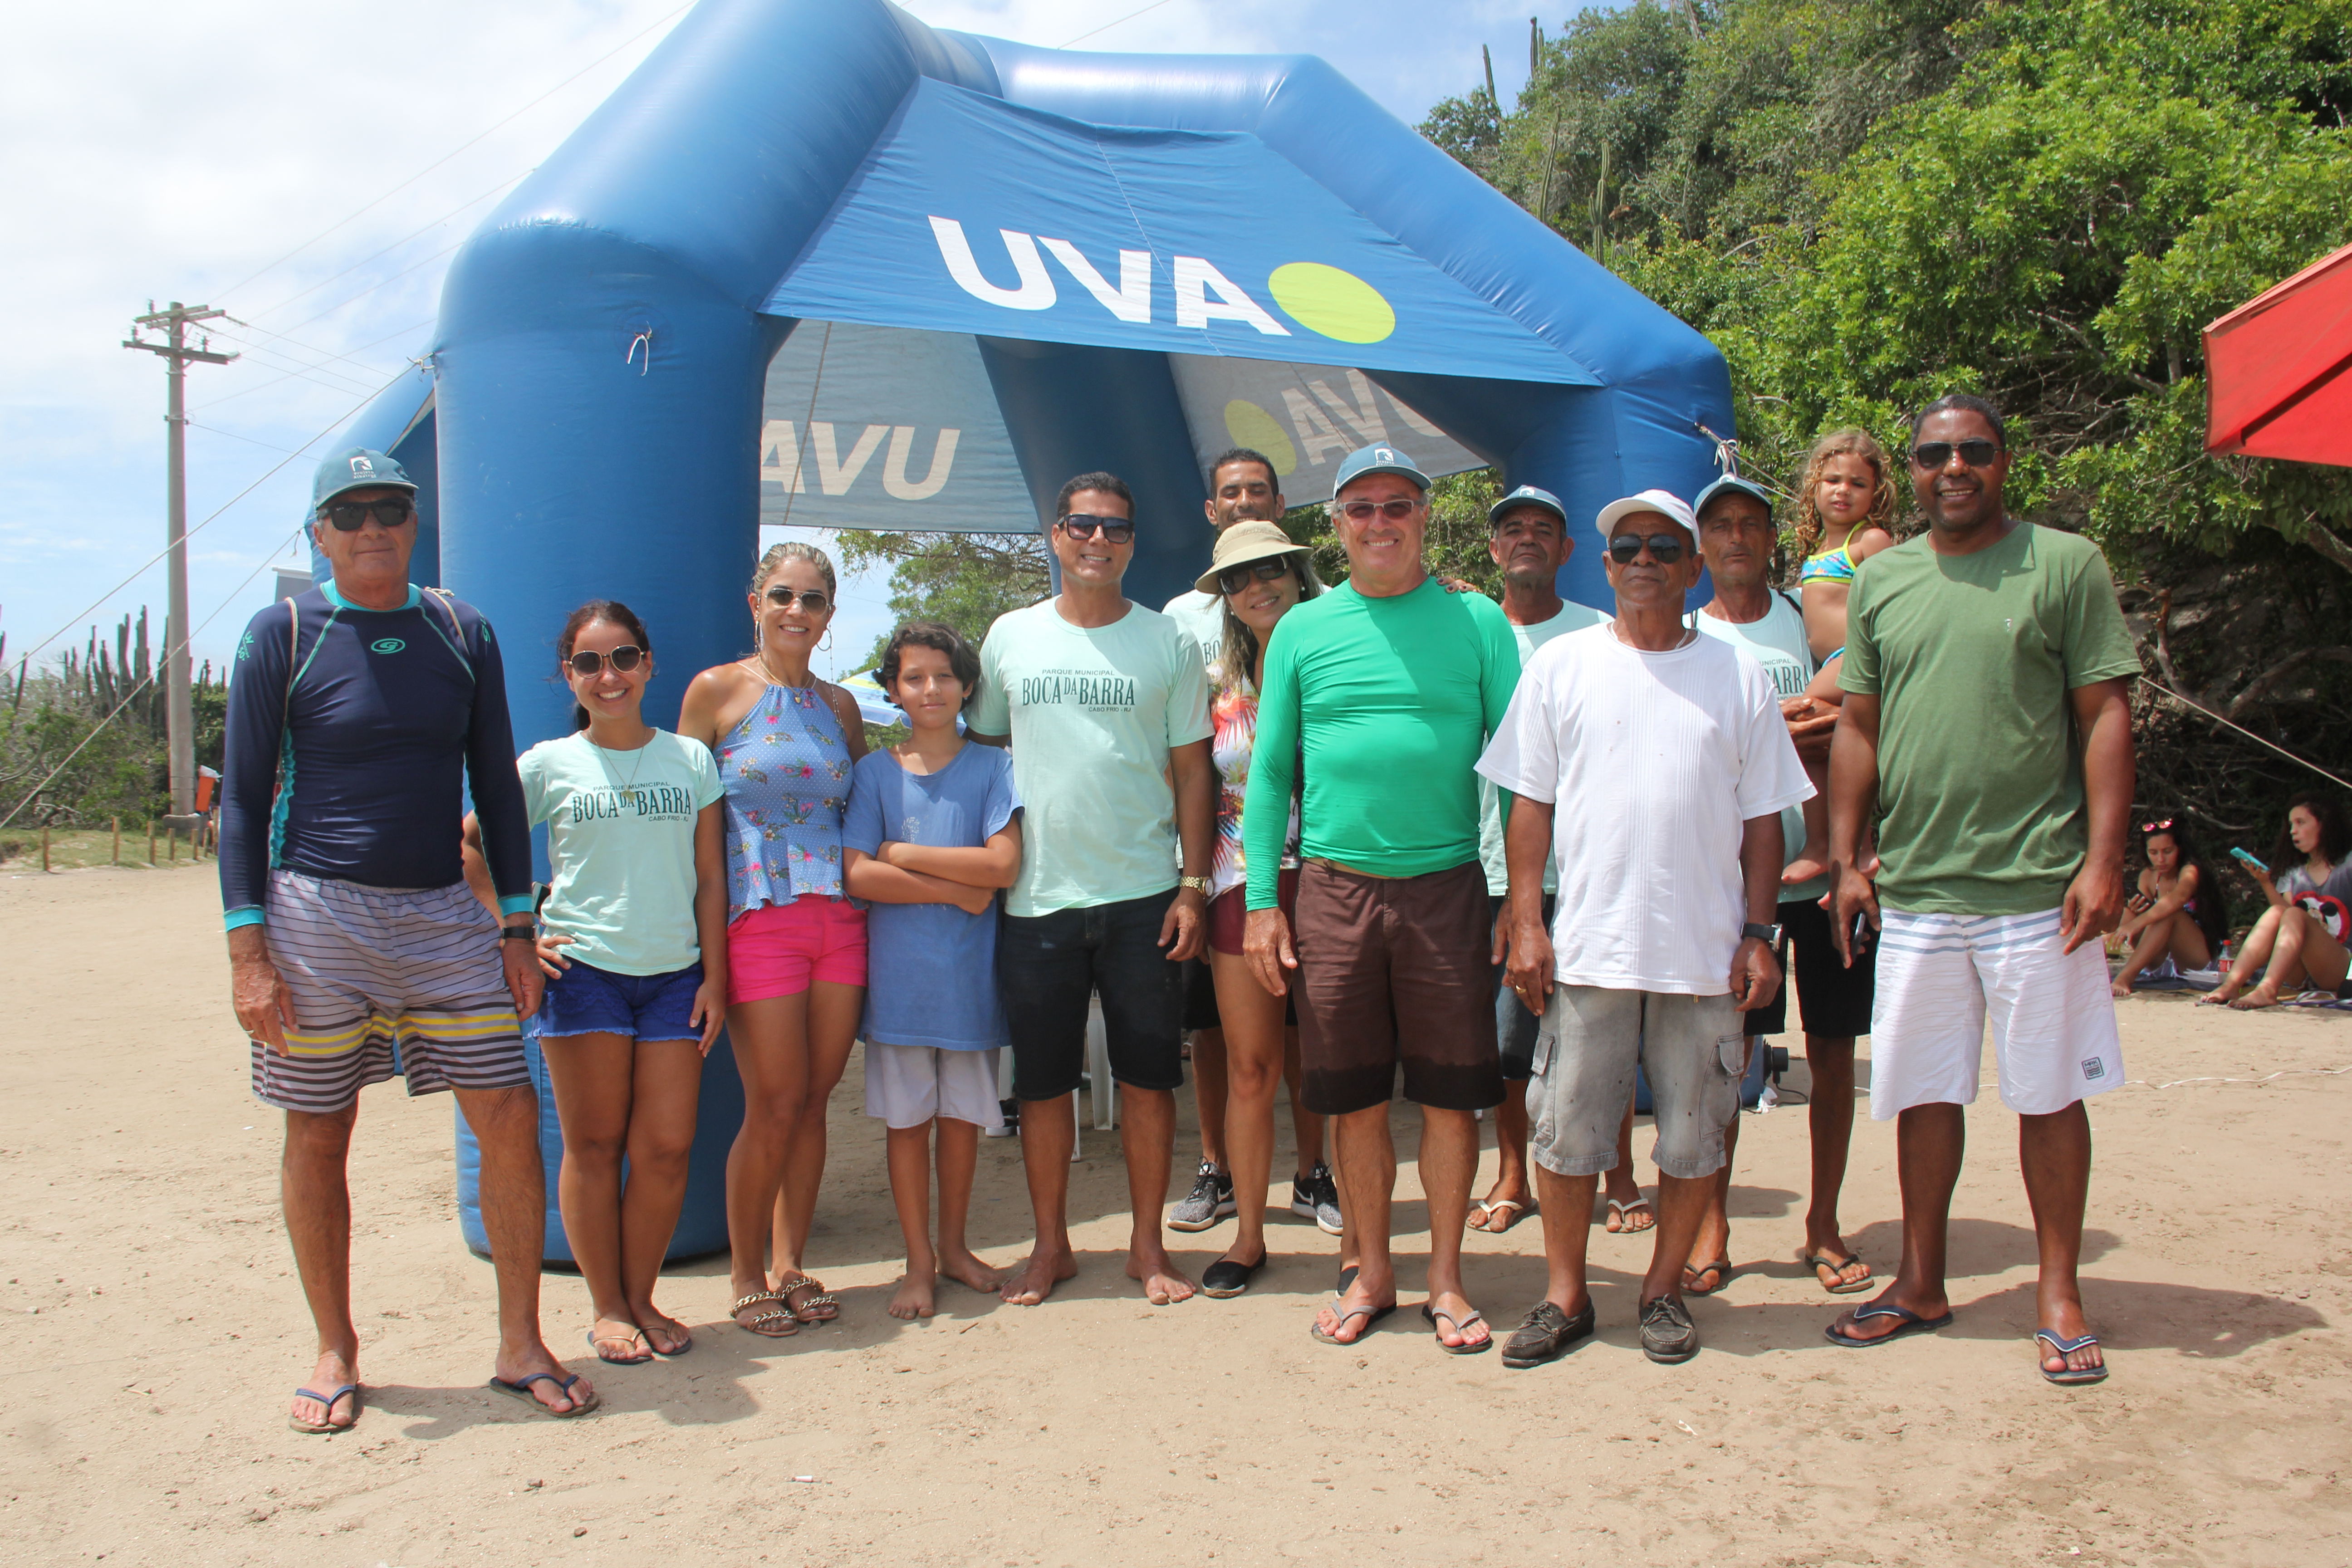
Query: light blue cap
[[1366, 460], [1730, 485], [1527, 495], [359, 469]]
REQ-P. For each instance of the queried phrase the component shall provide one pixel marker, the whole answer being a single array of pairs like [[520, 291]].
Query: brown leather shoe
[[1547, 1333]]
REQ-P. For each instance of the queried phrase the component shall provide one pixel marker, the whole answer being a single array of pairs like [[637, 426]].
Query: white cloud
[[175, 151]]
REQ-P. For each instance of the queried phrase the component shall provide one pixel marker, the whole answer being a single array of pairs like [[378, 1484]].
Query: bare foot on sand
[[2260, 997], [2120, 987], [665, 1334], [1034, 1278], [1164, 1283], [966, 1270], [513, 1367], [914, 1298], [333, 1371]]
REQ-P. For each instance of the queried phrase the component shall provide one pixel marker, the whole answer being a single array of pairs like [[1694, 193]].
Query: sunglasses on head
[[811, 601], [1233, 579], [2157, 826], [1665, 549], [1976, 452], [623, 658], [1114, 530], [1396, 509], [351, 516]]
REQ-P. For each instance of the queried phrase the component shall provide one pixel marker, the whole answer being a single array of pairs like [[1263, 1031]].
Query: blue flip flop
[[326, 1427], [520, 1389], [2062, 1349], [1909, 1322]]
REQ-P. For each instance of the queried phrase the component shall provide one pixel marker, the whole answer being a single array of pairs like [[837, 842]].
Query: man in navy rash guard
[[358, 712]]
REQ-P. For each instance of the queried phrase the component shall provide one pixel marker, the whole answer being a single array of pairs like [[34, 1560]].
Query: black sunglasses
[[351, 516], [1114, 530], [1233, 579], [1976, 452], [811, 601], [1665, 549], [623, 658]]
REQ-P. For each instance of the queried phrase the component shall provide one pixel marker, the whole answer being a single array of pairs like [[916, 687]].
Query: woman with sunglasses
[[2177, 912], [786, 743], [1261, 575], [633, 939]]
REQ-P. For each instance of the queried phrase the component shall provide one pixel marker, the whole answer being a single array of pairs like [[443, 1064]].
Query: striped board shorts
[[1942, 978], [380, 971]]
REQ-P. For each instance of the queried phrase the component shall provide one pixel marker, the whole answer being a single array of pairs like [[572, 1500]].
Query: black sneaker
[[1211, 1199], [1011, 1112], [1316, 1197], [1668, 1333]]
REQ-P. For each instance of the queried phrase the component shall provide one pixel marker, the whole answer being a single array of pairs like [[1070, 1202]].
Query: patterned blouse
[[1233, 714], [786, 769]]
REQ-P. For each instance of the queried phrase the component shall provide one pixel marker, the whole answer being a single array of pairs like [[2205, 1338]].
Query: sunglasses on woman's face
[[1975, 452], [1114, 530], [1233, 579], [623, 658], [351, 516], [1665, 549], [809, 601]]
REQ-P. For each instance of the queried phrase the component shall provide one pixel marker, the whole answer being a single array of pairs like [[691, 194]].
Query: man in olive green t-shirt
[[1986, 719], [1385, 689]]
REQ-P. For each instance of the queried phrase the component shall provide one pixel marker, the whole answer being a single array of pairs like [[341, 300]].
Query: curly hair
[[1837, 444]]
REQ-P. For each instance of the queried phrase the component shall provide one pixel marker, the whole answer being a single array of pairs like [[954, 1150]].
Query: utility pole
[[179, 721]]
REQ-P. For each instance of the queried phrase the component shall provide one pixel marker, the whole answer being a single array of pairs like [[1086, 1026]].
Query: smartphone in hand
[[2250, 861]]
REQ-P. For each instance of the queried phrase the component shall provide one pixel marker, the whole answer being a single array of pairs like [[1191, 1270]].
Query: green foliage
[[965, 580]]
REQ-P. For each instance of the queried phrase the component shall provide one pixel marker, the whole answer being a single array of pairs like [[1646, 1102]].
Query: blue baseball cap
[[359, 469], [1527, 495], [1366, 460], [1730, 485]]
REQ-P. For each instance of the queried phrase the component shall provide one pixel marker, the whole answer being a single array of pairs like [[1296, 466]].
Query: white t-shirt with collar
[[1653, 762]]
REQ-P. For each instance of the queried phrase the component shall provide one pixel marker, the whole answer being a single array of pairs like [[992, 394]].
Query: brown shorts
[[1395, 970]]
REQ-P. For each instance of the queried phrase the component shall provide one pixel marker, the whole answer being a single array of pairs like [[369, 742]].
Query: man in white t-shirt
[[1104, 704], [1243, 487], [1668, 751], [1735, 537], [1529, 539]]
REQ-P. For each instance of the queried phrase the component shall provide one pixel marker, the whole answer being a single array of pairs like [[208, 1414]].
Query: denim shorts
[[1048, 966], [1514, 1027], [590, 1001]]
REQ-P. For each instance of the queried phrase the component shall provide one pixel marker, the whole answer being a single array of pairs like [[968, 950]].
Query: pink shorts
[[777, 949]]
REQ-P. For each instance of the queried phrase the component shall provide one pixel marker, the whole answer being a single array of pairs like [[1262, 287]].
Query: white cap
[[1663, 501]]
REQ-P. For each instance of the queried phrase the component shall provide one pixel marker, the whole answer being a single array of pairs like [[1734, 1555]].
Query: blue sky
[[365, 139]]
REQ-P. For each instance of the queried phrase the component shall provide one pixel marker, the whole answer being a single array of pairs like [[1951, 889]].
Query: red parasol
[[2279, 369]]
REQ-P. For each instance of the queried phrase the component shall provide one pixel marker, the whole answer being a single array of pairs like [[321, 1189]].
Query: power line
[[2241, 728], [388, 249], [1106, 27], [261, 385], [429, 168], [373, 287]]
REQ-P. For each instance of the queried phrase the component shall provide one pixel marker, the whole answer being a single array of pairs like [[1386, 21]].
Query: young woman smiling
[[786, 743]]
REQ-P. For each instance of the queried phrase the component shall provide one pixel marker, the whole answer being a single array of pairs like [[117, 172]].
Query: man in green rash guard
[[1385, 689]]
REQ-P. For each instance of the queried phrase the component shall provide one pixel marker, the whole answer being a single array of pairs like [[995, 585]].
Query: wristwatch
[[518, 934], [1768, 935], [1194, 884]]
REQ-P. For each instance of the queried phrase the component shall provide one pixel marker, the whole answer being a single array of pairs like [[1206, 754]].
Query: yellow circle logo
[[1334, 303], [1254, 427]]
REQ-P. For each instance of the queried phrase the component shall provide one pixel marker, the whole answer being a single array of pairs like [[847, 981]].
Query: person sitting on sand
[[355, 947], [933, 830], [634, 951], [2294, 950], [2177, 912], [1105, 706]]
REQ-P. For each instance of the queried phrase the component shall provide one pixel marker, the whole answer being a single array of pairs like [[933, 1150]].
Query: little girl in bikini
[[1846, 507]]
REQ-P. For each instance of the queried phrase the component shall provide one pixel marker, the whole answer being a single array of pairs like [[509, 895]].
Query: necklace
[[770, 676], [627, 791]]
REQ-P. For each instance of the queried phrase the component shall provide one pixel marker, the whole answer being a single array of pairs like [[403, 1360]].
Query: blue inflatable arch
[[816, 262]]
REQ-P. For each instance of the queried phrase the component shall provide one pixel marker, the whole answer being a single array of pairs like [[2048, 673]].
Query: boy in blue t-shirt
[[932, 831]]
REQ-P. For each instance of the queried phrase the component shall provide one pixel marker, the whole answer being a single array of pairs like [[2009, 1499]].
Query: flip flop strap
[[1878, 1310], [2064, 1347], [327, 1399]]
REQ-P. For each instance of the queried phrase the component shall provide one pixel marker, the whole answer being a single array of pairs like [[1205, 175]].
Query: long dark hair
[[2334, 839], [586, 615], [2212, 911], [1238, 660]]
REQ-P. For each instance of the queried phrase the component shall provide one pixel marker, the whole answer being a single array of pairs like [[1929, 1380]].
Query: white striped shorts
[[1941, 978], [375, 970]]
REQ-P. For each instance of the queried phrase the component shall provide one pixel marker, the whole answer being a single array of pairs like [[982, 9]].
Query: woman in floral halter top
[[795, 944]]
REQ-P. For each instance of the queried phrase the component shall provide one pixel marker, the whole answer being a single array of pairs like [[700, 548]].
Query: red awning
[[2279, 369]]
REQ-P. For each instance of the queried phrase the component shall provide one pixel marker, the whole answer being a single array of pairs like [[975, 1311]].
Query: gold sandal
[[819, 1308], [778, 1324]]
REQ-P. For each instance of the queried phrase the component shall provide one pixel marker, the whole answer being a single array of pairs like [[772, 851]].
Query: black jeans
[[1048, 966]]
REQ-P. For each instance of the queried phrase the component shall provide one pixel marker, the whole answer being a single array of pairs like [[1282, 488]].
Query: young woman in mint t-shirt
[[634, 940]]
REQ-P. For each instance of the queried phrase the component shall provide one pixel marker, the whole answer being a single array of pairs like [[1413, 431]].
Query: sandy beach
[[159, 1330]]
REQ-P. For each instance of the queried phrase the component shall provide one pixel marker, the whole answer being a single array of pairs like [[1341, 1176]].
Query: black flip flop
[[2073, 1377], [1372, 1316], [520, 1389], [1347, 1279], [1911, 1324]]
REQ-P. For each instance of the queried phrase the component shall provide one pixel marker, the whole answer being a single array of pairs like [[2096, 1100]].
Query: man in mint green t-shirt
[[1105, 706], [1987, 723], [1386, 688]]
